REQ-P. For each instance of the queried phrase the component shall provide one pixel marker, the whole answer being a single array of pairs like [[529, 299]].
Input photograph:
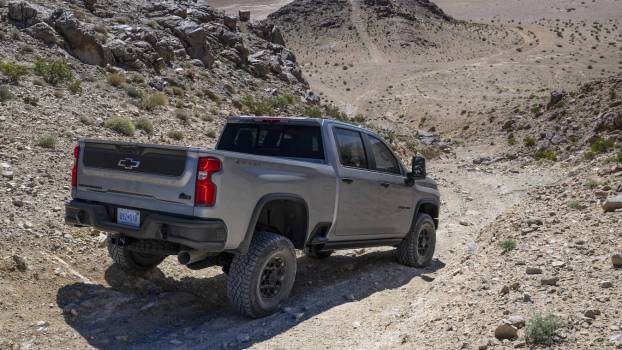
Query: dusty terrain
[[512, 166]]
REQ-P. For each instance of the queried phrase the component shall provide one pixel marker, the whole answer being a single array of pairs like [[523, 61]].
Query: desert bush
[[116, 79], [211, 134], [335, 113], [177, 91], [133, 92], [529, 141], [182, 115], [257, 107], [75, 87], [13, 71], [53, 72], [619, 156], [176, 135], [591, 184], [547, 154], [31, 100], [154, 100], [541, 329], [511, 139], [47, 141], [601, 145], [507, 246], [5, 93], [145, 125], [574, 204], [313, 112], [359, 118], [282, 101], [121, 125]]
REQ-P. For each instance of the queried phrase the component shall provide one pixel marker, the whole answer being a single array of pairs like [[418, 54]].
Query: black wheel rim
[[423, 242], [272, 277]]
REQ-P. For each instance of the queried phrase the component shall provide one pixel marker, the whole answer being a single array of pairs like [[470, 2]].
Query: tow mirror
[[418, 171]]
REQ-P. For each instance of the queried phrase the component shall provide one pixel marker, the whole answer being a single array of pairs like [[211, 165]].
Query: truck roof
[[302, 120]]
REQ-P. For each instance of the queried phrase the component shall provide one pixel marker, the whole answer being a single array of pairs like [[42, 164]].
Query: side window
[[385, 161], [350, 148]]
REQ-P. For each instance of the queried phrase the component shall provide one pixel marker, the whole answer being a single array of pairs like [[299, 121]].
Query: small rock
[[549, 281], [464, 223], [616, 260], [516, 321], [244, 16], [527, 298], [20, 263], [18, 202], [606, 284], [7, 173], [613, 203], [592, 313], [505, 290], [350, 297], [356, 324], [558, 264], [533, 271], [506, 331], [519, 344], [616, 338]]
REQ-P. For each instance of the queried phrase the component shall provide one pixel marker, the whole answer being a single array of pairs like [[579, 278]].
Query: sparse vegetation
[[155, 100], [547, 154], [47, 141], [5, 93], [13, 71], [176, 135], [257, 106], [145, 125], [182, 115], [574, 204], [529, 141], [313, 112], [507, 246], [335, 113], [133, 92], [116, 79], [121, 125], [211, 134], [601, 145], [75, 87], [541, 329], [53, 72], [591, 184]]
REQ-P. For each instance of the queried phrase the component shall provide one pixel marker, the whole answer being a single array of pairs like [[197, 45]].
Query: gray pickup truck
[[272, 185]]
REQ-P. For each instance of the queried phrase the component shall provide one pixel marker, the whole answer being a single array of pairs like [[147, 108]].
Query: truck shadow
[[159, 312]]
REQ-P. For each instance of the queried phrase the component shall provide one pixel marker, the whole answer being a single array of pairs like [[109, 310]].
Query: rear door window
[[351, 148], [289, 141]]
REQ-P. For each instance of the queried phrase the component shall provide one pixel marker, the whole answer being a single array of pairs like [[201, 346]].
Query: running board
[[358, 244]]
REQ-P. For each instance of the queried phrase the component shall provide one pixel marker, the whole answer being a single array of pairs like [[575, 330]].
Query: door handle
[[385, 184], [347, 180]]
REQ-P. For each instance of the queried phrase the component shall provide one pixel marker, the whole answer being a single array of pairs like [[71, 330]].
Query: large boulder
[[23, 14], [269, 32], [43, 32], [609, 121], [81, 39], [193, 36]]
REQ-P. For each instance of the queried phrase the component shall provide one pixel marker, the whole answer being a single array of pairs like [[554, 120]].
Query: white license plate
[[128, 217]]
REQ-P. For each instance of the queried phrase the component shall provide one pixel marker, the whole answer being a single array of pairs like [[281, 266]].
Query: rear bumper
[[208, 235]]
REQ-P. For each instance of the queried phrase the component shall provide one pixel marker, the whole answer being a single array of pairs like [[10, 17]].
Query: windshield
[[288, 141]]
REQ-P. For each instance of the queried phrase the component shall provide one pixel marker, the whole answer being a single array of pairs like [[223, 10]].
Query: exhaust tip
[[183, 257]]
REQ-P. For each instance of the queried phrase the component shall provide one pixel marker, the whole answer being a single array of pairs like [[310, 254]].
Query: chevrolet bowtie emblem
[[129, 163]]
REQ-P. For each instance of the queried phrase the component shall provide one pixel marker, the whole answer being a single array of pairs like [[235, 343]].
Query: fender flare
[[418, 206], [248, 236]]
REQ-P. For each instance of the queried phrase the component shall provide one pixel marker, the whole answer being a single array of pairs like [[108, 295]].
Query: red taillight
[[205, 191], [74, 169]]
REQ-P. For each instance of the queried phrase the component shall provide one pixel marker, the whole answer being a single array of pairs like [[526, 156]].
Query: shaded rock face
[[81, 40], [24, 14]]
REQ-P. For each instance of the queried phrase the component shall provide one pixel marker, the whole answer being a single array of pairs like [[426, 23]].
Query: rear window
[[289, 141]]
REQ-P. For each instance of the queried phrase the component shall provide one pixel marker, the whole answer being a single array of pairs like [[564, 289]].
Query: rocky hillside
[[356, 31], [581, 125]]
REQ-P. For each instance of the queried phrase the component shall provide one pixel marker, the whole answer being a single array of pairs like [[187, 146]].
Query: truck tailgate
[[160, 178]]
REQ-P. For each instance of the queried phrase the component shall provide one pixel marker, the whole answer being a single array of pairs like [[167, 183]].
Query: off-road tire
[[409, 252], [247, 270], [317, 254], [132, 261]]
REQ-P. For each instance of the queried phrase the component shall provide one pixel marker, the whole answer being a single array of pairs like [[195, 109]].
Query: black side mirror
[[418, 171]]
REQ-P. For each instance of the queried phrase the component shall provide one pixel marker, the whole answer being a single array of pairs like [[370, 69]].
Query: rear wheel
[[132, 261], [417, 249], [261, 280]]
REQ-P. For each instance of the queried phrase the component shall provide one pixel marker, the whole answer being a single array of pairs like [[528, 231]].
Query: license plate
[[128, 217]]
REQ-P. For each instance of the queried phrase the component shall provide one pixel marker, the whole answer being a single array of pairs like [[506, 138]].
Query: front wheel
[[261, 280], [418, 247]]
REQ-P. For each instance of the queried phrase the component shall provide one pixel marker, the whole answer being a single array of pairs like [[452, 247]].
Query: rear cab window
[[300, 142], [384, 160]]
